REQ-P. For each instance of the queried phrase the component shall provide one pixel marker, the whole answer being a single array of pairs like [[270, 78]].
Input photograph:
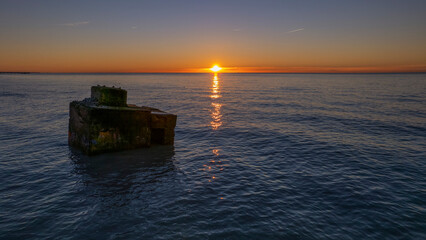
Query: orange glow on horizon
[[312, 69], [216, 69]]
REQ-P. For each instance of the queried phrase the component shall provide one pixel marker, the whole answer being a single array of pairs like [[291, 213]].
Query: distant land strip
[[17, 72], [402, 72]]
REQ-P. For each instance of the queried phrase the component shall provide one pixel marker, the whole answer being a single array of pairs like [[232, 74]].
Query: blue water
[[256, 156]]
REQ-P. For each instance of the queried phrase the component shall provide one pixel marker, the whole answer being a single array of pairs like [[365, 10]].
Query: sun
[[216, 68]]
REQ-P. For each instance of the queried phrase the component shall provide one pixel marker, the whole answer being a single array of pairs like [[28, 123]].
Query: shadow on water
[[123, 176]]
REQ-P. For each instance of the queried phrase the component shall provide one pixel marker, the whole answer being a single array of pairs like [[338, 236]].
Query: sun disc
[[216, 68]]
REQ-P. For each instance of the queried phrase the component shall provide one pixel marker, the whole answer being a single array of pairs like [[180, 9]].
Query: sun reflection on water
[[216, 113], [215, 165], [216, 116], [215, 87]]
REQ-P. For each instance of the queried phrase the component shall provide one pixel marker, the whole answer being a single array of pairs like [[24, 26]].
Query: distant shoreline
[[17, 72], [209, 73]]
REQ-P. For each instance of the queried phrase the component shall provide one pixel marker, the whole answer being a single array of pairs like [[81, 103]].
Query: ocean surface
[[256, 156]]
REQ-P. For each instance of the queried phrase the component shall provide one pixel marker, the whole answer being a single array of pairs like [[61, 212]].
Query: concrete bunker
[[105, 123]]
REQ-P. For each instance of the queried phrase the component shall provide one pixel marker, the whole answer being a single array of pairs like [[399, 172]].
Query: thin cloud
[[296, 30], [74, 24]]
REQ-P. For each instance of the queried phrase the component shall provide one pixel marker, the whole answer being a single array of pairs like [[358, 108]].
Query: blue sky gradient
[[146, 36]]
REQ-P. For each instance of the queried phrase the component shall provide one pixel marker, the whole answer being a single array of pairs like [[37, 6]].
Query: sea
[[256, 156]]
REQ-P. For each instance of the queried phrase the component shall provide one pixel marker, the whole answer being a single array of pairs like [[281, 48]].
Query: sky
[[192, 36]]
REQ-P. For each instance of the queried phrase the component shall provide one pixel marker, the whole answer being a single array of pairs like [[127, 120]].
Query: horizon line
[[165, 72]]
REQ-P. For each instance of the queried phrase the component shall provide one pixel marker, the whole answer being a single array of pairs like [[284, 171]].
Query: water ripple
[[295, 157]]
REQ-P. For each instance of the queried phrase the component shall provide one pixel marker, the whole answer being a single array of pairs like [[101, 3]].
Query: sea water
[[256, 156]]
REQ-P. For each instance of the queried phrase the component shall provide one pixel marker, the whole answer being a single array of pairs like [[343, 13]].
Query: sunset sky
[[192, 36]]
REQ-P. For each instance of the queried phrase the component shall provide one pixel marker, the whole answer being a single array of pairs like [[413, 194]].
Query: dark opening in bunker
[[157, 135]]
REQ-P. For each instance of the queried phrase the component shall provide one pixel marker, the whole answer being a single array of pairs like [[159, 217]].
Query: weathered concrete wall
[[109, 96], [95, 128], [163, 123]]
